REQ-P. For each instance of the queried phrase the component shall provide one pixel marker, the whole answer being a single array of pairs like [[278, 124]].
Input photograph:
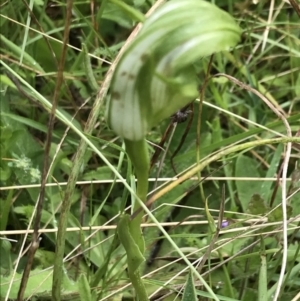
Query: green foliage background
[[271, 68]]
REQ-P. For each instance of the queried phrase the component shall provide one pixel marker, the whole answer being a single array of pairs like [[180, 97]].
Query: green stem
[[134, 257], [139, 156], [138, 285]]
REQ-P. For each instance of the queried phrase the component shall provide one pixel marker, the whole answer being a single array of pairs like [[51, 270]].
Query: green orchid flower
[[154, 79]]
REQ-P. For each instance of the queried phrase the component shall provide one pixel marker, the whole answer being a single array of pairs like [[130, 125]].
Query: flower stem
[[139, 156]]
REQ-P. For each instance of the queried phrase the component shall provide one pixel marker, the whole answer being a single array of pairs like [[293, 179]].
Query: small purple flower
[[225, 224]]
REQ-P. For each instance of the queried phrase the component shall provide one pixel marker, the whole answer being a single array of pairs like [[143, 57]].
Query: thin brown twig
[[183, 137], [296, 7], [159, 147], [201, 96], [59, 81], [277, 183]]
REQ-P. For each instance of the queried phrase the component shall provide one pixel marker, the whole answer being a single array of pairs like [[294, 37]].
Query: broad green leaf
[[39, 284], [276, 215], [17, 51], [5, 205], [130, 11], [155, 77], [45, 258], [26, 211], [114, 13], [257, 205], [101, 173], [84, 289], [39, 2], [6, 264], [246, 167], [189, 293], [266, 186]]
